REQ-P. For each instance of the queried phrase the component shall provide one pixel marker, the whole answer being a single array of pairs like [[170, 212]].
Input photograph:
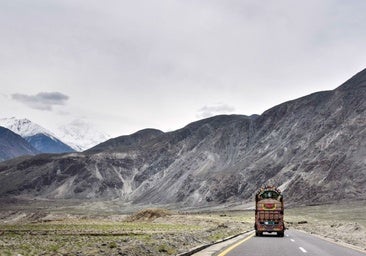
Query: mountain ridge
[[312, 147], [126, 141]]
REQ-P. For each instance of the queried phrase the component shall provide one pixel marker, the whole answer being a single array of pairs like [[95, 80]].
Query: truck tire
[[281, 233], [258, 233]]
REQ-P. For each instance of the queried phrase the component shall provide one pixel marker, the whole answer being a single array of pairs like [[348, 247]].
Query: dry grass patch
[[149, 214], [344, 222], [156, 231], [146, 232]]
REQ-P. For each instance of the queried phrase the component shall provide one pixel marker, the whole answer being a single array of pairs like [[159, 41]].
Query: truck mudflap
[[278, 228]]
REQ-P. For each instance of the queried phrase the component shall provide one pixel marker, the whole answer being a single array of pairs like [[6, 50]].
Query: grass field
[[36, 231]]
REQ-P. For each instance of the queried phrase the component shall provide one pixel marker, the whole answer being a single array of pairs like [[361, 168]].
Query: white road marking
[[292, 240], [303, 250]]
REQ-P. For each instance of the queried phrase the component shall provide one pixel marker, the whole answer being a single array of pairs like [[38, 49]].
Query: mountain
[[313, 148], [23, 127], [48, 144], [12, 145], [124, 142], [81, 135], [40, 138]]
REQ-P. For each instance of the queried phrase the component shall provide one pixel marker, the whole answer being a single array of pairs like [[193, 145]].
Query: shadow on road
[[268, 235]]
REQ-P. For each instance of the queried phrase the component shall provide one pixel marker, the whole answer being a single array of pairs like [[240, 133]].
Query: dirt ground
[[32, 229], [148, 232], [344, 222]]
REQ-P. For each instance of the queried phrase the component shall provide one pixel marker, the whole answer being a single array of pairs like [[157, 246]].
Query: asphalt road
[[295, 243]]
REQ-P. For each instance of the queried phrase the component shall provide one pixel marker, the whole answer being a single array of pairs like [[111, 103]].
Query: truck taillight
[[270, 206]]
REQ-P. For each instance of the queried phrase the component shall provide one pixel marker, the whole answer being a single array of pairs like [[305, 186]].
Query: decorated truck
[[269, 211]]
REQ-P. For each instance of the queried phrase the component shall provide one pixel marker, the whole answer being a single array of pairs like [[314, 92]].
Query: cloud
[[42, 100], [152, 56], [216, 109]]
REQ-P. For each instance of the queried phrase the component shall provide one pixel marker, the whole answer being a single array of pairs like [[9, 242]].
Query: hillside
[[12, 145], [313, 147]]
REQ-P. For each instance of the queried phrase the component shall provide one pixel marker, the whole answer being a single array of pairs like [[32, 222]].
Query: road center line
[[235, 245], [303, 250], [292, 240]]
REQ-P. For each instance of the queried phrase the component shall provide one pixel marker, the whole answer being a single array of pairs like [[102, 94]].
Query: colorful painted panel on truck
[[269, 210]]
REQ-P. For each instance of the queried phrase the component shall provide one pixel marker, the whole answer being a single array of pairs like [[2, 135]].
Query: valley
[[164, 193], [58, 229]]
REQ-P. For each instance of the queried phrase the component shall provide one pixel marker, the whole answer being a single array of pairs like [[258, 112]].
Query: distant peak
[[23, 126], [81, 135], [146, 134], [149, 131]]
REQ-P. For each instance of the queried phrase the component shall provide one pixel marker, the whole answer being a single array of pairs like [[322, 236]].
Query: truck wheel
[[281, 233], [257, 233]]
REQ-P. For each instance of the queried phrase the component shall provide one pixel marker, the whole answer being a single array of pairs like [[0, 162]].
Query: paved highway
[[295, 243]]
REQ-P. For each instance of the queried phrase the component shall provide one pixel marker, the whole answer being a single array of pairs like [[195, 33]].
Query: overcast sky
[[129, 65]]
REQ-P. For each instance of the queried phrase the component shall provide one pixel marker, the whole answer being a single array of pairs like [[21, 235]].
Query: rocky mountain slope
[[314, 148], [40, 138], [12, 145]]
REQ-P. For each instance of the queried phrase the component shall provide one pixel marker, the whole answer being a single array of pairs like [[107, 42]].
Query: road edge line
[[331, 240], [235, 245], [202, 247]]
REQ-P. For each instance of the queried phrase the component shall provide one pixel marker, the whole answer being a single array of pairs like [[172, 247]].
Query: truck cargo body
[[269, 210]]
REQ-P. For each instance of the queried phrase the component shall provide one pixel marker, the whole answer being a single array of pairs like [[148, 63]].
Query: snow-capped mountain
[[81, 135], [24, 127], [40, 138]]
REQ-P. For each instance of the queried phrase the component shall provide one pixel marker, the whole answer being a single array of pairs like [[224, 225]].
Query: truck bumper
[[269, 228]]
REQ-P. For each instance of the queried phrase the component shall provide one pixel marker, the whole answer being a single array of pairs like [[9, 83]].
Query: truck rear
[[269, 210]]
